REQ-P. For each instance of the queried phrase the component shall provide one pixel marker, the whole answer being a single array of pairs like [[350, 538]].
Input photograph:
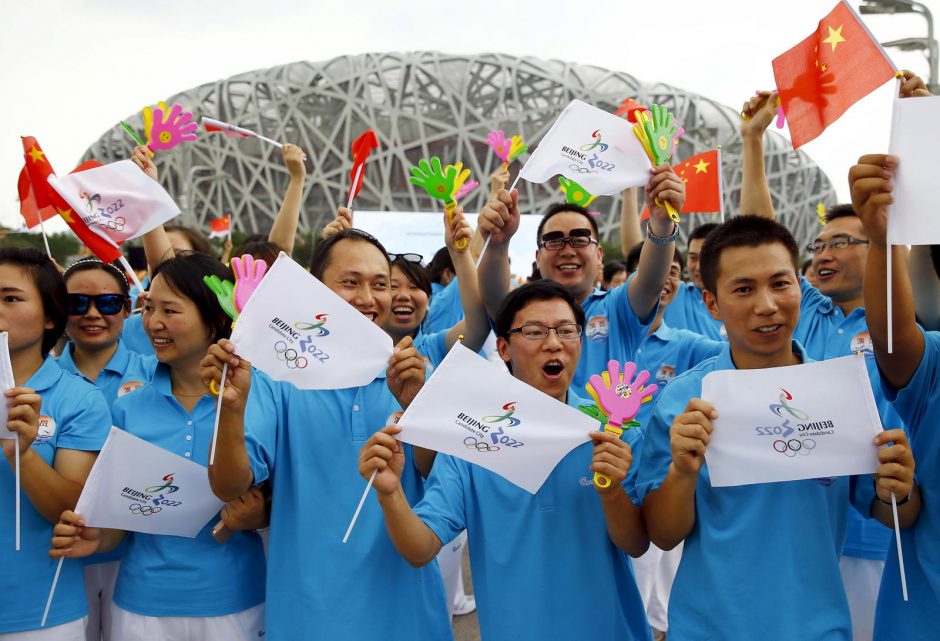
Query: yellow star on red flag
[[835, 37], [37, 154], [701, 167], [66, 214]]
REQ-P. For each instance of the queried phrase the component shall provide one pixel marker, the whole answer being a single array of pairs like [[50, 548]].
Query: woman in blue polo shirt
[[98, 305], [62, 422], [169, 587]]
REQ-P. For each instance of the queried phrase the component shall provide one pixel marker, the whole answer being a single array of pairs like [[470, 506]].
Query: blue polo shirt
[[135, 337], [432, 347], [612, 331], [919, 405], [307, 442], [543, 564], [826, 332], [761, 561], [175, 576], [445, 308], [687, 311], [126, 371], [73, 416]]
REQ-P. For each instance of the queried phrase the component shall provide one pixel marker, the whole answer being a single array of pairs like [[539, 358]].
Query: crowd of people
[[658, 553]]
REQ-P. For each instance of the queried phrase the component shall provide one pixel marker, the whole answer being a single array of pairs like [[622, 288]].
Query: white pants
[[99, 588], [862, 579], [71, 631], [655, 572], [450, 560], [247, 625]]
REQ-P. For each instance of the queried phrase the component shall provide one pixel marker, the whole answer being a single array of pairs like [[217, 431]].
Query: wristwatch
[[661, 240]]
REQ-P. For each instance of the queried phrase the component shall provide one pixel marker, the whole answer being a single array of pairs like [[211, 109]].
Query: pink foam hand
[[618, 396], [780, 115], [465, 189], [500, 144], [675, 140], [248, 275], [169, 129]]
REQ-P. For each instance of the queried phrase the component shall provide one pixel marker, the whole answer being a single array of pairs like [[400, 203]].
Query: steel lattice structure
[[423, 104]]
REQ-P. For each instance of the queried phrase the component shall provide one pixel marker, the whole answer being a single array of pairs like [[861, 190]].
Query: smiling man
[[569, 253], [548, 565]]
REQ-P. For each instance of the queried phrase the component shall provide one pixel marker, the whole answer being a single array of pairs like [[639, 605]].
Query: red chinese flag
[[629, 108], [361, 149], [702, 177], [38, 169], [219, 227], [832, 69]]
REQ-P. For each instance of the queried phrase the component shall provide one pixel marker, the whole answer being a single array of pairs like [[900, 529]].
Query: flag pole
[[130, 270], [352, 189], [218, 414], [486, 243], [268, 140], [897, 538], [890, 298], [45, 239], [721, 188], [55, 581], [359, 507], [16, 465]]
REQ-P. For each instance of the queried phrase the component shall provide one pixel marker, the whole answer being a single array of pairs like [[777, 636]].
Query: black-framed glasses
[[840, 241], [107, 304], [538, 332], [411, 258], [578, 239]]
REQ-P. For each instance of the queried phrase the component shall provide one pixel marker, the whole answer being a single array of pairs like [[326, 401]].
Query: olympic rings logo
[[117, 224], [143, 510], [472, 443], [795, 446], [580, 169], [291, 358]]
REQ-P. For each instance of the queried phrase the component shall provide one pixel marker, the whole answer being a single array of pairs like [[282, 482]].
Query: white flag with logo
[[596, 149], [117, 200], [477, 411], [295, 329], [912, 219], [6, 382], [789, 423], [139, 487]]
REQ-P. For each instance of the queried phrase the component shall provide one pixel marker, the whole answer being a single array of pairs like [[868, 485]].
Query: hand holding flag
[[701, 175]]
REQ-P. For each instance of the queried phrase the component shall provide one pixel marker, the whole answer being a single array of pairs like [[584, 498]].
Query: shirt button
[[189, 422], [355, 408], [189, 437], [187, 454], [840, 331]]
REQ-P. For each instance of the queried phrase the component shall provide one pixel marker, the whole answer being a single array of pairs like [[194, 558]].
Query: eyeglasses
[[840, 241], [536, 332], [107, 304], [411, 258], [555, 240]]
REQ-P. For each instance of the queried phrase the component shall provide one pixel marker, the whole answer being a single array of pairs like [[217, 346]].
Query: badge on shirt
[[665, 373], [129, 387], [861, 342], [46, 430], [597, 328], [428, 365]]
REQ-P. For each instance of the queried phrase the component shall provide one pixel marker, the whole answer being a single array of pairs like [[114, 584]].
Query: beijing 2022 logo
[[485, 440], [152, 500], [303, 333], [789, 441]]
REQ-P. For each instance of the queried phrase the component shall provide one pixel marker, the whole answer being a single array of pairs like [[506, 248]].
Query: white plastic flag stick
[[890, 302], [486, 243], [721, 189], [16, 466], [897, 538], [218, 414], [352, 189], [45, 240], [133, 274], [268, 140], [55, 580], [359, 507]]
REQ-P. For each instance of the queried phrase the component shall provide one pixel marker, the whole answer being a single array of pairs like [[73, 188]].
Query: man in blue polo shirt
[[777, 543], [910, 380], [548, 565], [569, 254]]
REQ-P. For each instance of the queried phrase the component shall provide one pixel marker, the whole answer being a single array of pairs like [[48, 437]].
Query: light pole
[[928, 44]]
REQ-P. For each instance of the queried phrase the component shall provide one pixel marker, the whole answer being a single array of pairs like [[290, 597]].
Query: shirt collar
[[46, 376], [118, 362], [664, 333], [725, 361]]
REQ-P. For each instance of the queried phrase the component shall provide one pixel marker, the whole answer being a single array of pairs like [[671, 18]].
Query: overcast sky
[[72, 68]]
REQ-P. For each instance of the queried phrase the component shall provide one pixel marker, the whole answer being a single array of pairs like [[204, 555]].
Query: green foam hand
[[574, 193], [224, 291], [434, 179], [661, 129]]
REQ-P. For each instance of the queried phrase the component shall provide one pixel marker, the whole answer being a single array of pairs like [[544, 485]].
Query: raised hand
[[248, 275], [168, 129], [758, 112], [342, 221], [224, 291], [237, 375], [294, 158], [457, 231], [499, 144], [574, 193], [434, 179]]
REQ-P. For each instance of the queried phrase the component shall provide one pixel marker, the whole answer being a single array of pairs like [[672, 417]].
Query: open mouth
[[568, 267], [371, 315], [768, 329], [825, 273], [553, 368], [403, 312], [93, 329], [160, 342]]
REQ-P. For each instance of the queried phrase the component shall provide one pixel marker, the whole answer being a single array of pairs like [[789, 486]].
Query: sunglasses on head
[[411, 258], [107, 304]]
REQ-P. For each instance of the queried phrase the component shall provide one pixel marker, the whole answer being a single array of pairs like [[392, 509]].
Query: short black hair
[[93, 263], [612, 268], [260, 248], [184, 274], [840, 211], [743, 231], [563, 207], [50, 284], [520, 297], [441, 262], [633, 258], [321, 253], [702, 231]]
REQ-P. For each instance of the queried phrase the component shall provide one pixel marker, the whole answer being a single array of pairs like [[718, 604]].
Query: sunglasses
[[107, 304], [411, 258]]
